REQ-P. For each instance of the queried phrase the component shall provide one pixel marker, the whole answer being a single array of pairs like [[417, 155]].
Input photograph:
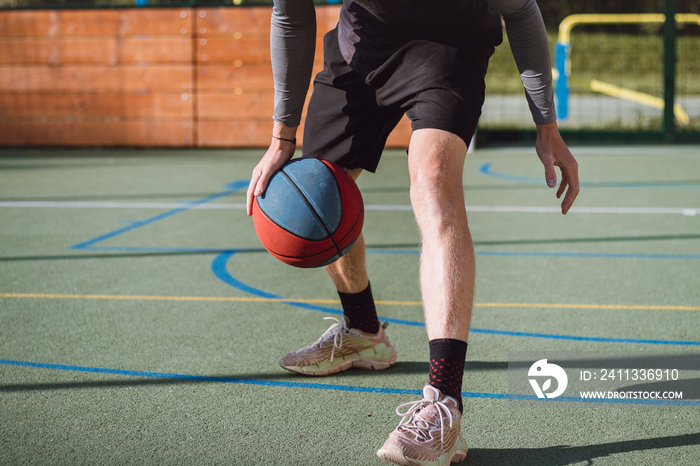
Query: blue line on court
[[220, 270], [218, 267], [166, 250], [230, 189], [236, 186], [486, 170], [581, 338], [318, 386]]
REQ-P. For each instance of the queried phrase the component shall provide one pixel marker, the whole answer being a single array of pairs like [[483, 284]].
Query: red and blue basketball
[[311, 213]]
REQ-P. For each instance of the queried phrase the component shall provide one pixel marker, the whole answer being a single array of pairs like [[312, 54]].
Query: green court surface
[[141, 322]]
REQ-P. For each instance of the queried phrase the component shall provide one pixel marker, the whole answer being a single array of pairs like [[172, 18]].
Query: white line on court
[[118, 205], [373, 207]]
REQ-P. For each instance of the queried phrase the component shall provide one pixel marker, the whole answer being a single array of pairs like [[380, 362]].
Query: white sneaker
[[428, 434], [341, 348]]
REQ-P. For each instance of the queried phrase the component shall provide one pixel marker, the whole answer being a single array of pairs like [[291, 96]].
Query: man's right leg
[[349, 273]]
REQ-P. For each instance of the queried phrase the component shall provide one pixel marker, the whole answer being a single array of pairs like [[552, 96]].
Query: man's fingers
[[568, 200], [571, 194], [261, 185], [252, 190], [550, 175], [250, 197], [562, 186], [257, 186]]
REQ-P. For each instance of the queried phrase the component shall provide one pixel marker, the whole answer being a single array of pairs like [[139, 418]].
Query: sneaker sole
[[396, 456], [366, 364]]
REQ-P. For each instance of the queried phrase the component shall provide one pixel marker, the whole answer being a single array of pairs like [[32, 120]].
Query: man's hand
[[553, 152], [279, 153]]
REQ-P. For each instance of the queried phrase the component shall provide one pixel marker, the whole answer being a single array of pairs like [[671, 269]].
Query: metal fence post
[[670, 7]]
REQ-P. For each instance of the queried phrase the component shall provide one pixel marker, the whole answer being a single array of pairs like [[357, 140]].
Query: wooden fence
[[182, 77]]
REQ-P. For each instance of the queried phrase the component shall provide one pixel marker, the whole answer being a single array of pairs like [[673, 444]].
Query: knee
[[436, 161], [436, 190]]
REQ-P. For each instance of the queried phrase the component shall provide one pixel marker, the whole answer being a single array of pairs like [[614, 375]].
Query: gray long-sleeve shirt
[[293, 40]]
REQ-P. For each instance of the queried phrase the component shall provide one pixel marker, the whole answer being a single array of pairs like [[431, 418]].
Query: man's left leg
[[430, 431], [436, 161], [358, 339]]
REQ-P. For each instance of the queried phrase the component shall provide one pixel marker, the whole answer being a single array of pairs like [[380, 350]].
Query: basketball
[[311, 213]]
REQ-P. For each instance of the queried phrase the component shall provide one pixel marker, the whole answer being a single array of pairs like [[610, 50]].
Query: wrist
[[284, 133], [546, 129], [293, 141]]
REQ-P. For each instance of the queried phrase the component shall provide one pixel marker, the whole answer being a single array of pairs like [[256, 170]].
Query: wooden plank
[[247, 105], [107, 51], [254, 21], [228, 21], [253, 132], [97, 23], [256, 133], [81, 106], [155, 50], [241, 133], [160, 78], [243, 49], [230, 49], [230, 78], [92, 133], [157, 21]]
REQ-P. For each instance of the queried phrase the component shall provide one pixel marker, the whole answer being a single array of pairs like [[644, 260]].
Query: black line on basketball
[[313, 210]]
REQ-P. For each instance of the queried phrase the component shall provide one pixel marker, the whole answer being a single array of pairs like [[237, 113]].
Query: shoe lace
[[421, 426], [335, 332]]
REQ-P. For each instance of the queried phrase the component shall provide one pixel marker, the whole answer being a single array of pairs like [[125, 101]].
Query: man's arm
[[292, 48], [528, 41]]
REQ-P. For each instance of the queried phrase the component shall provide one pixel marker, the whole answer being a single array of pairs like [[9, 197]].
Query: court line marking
[[319, 386], [219, 268], [230, 189], [252, 299], [311, 304], [88, 244], [686, 211], [486, 169], [239, 185], [582, 255]]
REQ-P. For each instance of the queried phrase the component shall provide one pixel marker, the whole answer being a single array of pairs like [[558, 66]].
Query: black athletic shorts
[[350, 115]]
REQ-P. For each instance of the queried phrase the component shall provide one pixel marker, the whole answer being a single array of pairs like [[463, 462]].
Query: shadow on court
[[562, 455]]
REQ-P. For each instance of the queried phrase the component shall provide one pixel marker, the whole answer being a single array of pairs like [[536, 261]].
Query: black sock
[[447, 366], [360, 311]]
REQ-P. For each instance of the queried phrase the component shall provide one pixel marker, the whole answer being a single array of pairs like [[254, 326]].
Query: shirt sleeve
[[292, 48], [528, 41]]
